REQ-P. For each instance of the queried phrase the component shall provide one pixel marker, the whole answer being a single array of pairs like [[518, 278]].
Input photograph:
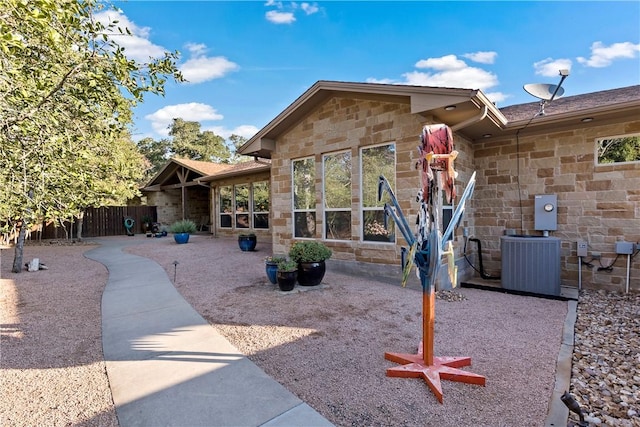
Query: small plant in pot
[[247, 242], [271, 267], [287, 274], [182, 229], [310, 256]]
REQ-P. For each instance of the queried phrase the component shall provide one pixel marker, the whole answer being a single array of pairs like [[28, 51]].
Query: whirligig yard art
[[427, 246]]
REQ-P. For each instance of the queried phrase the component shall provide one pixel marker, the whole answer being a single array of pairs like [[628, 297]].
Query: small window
[[304, 198], [618, 149], [226, 207], [261, 205], [337, 196]]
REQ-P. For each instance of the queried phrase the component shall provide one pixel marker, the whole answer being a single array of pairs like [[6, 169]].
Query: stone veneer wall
[[599, 204], [349, 124], [169, 204]]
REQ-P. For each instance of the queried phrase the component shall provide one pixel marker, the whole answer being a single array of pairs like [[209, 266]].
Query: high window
[[337, 195], [618, 149], [376, 161], [304, 197]]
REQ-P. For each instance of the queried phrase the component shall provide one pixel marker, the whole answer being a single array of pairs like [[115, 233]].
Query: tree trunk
[[17, 258], [79, 222]]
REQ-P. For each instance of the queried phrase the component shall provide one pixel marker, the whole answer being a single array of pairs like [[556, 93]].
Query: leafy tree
[[155, 152], [190, 142], [237, 141], [66, 95], [616, 150]]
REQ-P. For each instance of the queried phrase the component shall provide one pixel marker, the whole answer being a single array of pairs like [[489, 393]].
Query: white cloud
[[198, 70], [482, 57], [191, 112], [448, 62], [246, 131], [137, 45], [497, 97], [550, 67], [451, 72], [277, 17], [309, 9], [603, 56]]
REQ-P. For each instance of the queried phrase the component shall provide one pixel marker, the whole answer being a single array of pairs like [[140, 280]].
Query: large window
[[376, 161], [226, 207], [618, 149], [261, 204], [235, 202], [304, 197], [337, 196]]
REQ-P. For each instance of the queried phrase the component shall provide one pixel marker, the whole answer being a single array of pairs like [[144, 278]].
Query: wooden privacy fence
[[104, 221]]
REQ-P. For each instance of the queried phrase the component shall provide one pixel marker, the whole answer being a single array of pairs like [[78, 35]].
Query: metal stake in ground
[[175, 269], [427, 245]]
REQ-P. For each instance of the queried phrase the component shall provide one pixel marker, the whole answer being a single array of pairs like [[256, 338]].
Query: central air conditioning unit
[[531, 264]]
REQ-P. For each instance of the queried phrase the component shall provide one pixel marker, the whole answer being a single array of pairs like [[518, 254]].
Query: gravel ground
[[326, 344]]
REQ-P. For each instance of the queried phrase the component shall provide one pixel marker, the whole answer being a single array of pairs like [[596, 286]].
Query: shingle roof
[[204, 168], [573, 103]]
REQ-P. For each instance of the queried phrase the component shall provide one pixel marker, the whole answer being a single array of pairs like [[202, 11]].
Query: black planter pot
[[286, 280], [311, 273], [247, 243]]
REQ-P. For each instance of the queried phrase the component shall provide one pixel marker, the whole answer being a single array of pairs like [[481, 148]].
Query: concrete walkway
[[168, 367]]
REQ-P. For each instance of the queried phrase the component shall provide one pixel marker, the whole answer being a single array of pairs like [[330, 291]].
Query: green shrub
[[287, 265], [309, 251], [183, 226]]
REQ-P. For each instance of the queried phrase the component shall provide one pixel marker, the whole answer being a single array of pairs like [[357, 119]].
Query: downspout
[[471, 121]]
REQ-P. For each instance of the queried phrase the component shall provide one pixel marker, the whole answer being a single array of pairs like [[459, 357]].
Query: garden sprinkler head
[[574, 406]]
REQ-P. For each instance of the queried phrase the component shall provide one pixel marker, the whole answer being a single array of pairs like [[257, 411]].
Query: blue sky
[[246, 61]]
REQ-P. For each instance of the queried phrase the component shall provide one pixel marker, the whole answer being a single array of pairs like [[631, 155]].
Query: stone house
[[316, 165], [327, 148]]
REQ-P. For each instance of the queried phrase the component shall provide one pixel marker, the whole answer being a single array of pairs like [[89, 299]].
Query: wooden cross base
[[443, 367]]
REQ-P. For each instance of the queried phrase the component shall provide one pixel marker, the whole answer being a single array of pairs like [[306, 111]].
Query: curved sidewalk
[[168, 367]]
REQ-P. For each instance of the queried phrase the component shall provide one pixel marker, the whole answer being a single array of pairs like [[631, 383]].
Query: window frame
[[598, 141], [221, 213], [254, 211]]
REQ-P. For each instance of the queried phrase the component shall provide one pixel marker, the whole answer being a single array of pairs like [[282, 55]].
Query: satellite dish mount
[[546, 92]]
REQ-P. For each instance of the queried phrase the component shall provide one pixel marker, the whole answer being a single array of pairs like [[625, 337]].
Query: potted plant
[[181, 230], [310, 256], [247, 241], [287, 274], [146, 224], [271, 267]]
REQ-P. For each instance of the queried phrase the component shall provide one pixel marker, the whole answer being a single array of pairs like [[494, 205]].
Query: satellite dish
[[544, 91]]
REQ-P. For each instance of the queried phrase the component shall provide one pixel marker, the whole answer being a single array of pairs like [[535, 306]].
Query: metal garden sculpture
[[427, 246]]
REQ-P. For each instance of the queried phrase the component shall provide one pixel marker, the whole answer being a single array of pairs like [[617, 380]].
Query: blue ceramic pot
[[272, 270], [181, 237]]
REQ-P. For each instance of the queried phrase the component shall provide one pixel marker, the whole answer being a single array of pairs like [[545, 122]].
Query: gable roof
[[474, 113], [193, 169]]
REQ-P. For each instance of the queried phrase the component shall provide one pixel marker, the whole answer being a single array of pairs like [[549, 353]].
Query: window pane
[[374, 229], [242, 198], [225, 221], [337, 180], [338, 225], [226, 207], [242, 220], [305, 224], [261, 197], [304, 178], [377, 161], [261, 220], [618, 149], [226, 197]]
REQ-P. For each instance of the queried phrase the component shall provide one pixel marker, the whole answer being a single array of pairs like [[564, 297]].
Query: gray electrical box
[[546, 212], [624, 248], [581, 248]]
